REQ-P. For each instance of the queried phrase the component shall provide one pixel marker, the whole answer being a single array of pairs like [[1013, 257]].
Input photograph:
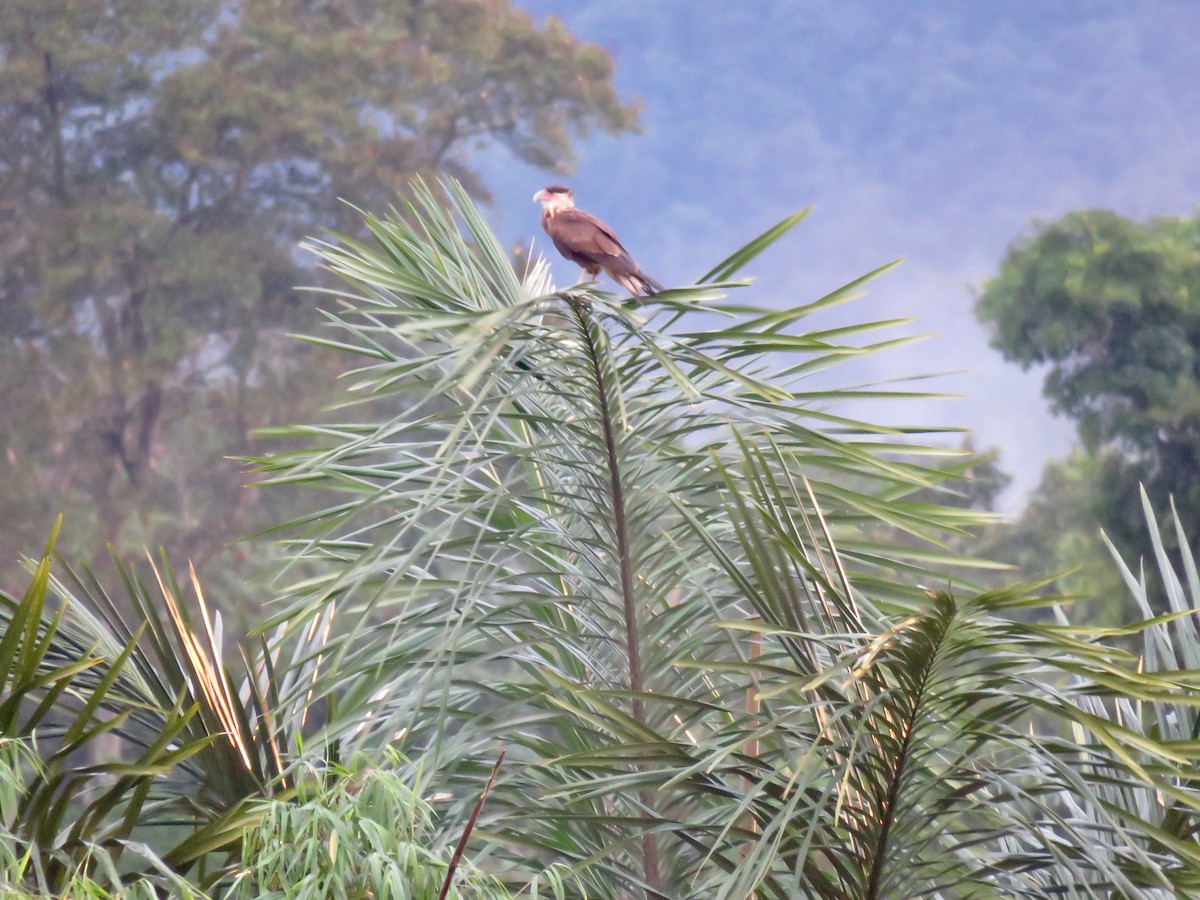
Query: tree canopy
[[159, 160], [1111, 307]]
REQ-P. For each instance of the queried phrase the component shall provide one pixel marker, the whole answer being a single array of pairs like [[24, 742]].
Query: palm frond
[[68, 825], [187, 742]]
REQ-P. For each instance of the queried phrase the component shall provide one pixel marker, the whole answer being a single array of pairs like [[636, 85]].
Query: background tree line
[[1109, 307], [159, 161]]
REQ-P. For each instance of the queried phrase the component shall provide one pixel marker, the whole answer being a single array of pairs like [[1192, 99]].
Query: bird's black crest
[[558, 189]]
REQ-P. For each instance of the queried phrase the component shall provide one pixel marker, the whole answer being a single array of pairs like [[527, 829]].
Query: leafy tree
[[1112, 308], [159, 160], [1060, 532]]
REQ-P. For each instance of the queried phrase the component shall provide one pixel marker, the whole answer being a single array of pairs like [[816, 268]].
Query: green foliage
[[1058, 534], [1112, 307], [348, 833], [619, 546], [144, 737], [1170, 648], [925, 760], [159, 159], [137, 732], [64, 697]]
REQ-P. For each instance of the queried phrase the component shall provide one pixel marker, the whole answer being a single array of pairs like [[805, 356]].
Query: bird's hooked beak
[[541, 196]]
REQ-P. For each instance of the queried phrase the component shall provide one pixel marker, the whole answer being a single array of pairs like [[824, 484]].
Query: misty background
[[158, 174], [937, 132]]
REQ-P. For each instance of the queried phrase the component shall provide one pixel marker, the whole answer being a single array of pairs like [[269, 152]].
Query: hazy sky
[[934, 130]]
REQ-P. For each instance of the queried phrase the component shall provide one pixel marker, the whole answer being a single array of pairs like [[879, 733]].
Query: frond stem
[[887, 810], [620, 520], [587, 324]]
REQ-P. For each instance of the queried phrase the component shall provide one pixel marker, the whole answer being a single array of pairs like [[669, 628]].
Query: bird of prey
[[589, 243]]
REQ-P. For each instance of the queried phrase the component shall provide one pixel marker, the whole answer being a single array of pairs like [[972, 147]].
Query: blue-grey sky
[[934, 130]]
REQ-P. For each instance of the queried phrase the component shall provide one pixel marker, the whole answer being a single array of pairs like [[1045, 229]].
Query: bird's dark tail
[[639, 283]]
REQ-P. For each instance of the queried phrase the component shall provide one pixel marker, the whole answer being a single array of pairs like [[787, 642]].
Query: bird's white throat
[[557, 203]]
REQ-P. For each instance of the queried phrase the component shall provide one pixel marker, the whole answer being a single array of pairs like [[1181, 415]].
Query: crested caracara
[[589, 243]]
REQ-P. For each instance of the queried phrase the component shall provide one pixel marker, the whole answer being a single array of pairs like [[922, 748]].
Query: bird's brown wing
[[584, 239], [590, 244]]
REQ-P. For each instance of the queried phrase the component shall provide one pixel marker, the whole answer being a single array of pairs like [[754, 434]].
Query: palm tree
[[628, 545]]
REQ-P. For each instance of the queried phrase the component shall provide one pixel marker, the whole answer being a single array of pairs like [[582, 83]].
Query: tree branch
[[50, 93]]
